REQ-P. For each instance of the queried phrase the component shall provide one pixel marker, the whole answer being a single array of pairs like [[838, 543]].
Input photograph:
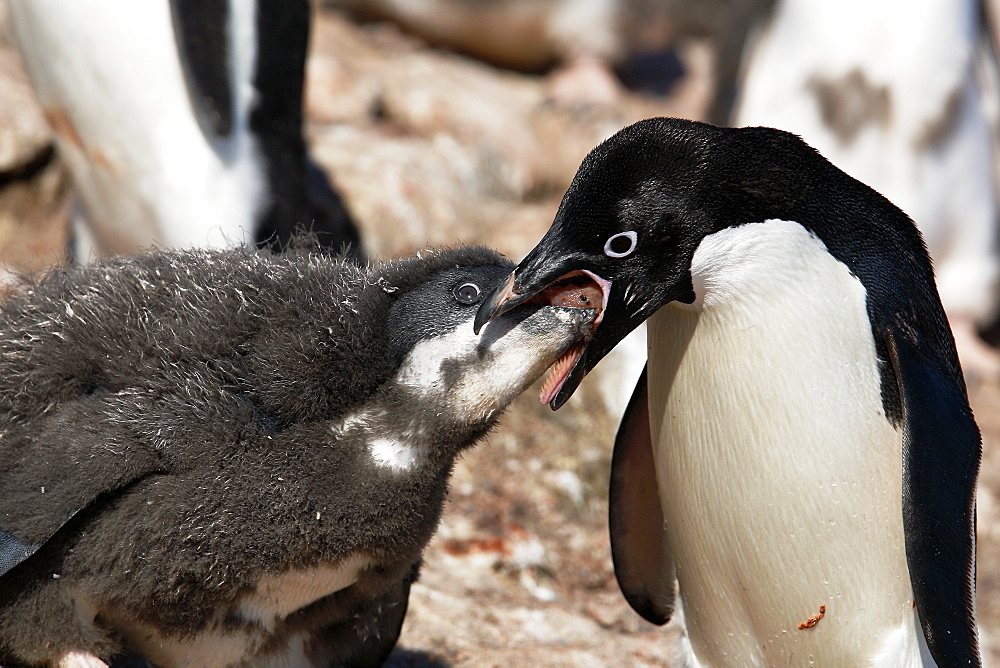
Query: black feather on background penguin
[[233, 456]]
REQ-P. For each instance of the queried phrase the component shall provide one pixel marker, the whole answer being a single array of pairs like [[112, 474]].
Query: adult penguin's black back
[[800, 453]]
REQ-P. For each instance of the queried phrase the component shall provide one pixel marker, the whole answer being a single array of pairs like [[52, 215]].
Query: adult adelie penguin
[[800, 453], [229, 458], [181, 121]]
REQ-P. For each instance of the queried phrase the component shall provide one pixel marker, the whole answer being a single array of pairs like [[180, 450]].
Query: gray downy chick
[[224, 457]]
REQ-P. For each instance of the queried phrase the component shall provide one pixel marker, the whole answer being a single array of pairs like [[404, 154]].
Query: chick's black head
[[448, 299]]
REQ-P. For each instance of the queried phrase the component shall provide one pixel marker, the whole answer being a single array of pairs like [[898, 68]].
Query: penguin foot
[[80, 660]]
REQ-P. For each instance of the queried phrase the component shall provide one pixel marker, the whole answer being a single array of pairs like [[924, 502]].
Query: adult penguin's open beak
[[562, 280]]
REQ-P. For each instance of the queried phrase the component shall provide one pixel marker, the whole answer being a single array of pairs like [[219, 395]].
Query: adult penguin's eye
[[621, 244], [467, 293]]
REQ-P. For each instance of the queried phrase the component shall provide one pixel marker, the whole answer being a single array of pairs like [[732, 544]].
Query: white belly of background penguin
[[181, 121], [103, 74], [220, 458], [799, 457]]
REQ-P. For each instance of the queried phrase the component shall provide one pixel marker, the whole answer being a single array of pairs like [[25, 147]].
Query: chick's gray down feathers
[[120, 381]]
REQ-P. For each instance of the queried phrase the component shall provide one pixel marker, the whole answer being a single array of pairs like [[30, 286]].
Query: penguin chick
[[221, 457], [800, 452], [181, 121]]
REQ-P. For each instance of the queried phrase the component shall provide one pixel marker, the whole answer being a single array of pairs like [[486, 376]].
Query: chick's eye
[[622, 244], [467, 293]]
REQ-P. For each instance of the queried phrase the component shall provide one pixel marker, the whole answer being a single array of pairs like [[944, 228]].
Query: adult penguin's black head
[[637, 209]]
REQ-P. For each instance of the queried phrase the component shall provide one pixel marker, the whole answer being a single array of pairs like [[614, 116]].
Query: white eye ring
[[633, 242]]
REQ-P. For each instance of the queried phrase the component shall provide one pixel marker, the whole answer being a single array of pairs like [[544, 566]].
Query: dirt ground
[[431, 148]]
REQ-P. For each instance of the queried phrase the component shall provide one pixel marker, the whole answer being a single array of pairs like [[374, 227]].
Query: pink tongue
[[558, 373]]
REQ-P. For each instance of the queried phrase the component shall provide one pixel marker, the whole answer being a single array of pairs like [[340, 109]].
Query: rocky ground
[[430, 148]]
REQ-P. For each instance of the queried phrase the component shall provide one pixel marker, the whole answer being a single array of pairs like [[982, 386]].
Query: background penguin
[[227, 457], [181, 122], [804, 457], [899, 97]]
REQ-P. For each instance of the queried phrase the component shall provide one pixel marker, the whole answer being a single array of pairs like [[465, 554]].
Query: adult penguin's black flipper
[[941, 452], [49, 476], [643, 563]]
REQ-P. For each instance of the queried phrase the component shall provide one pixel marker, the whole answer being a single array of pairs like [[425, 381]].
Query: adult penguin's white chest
[[778, 471]]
